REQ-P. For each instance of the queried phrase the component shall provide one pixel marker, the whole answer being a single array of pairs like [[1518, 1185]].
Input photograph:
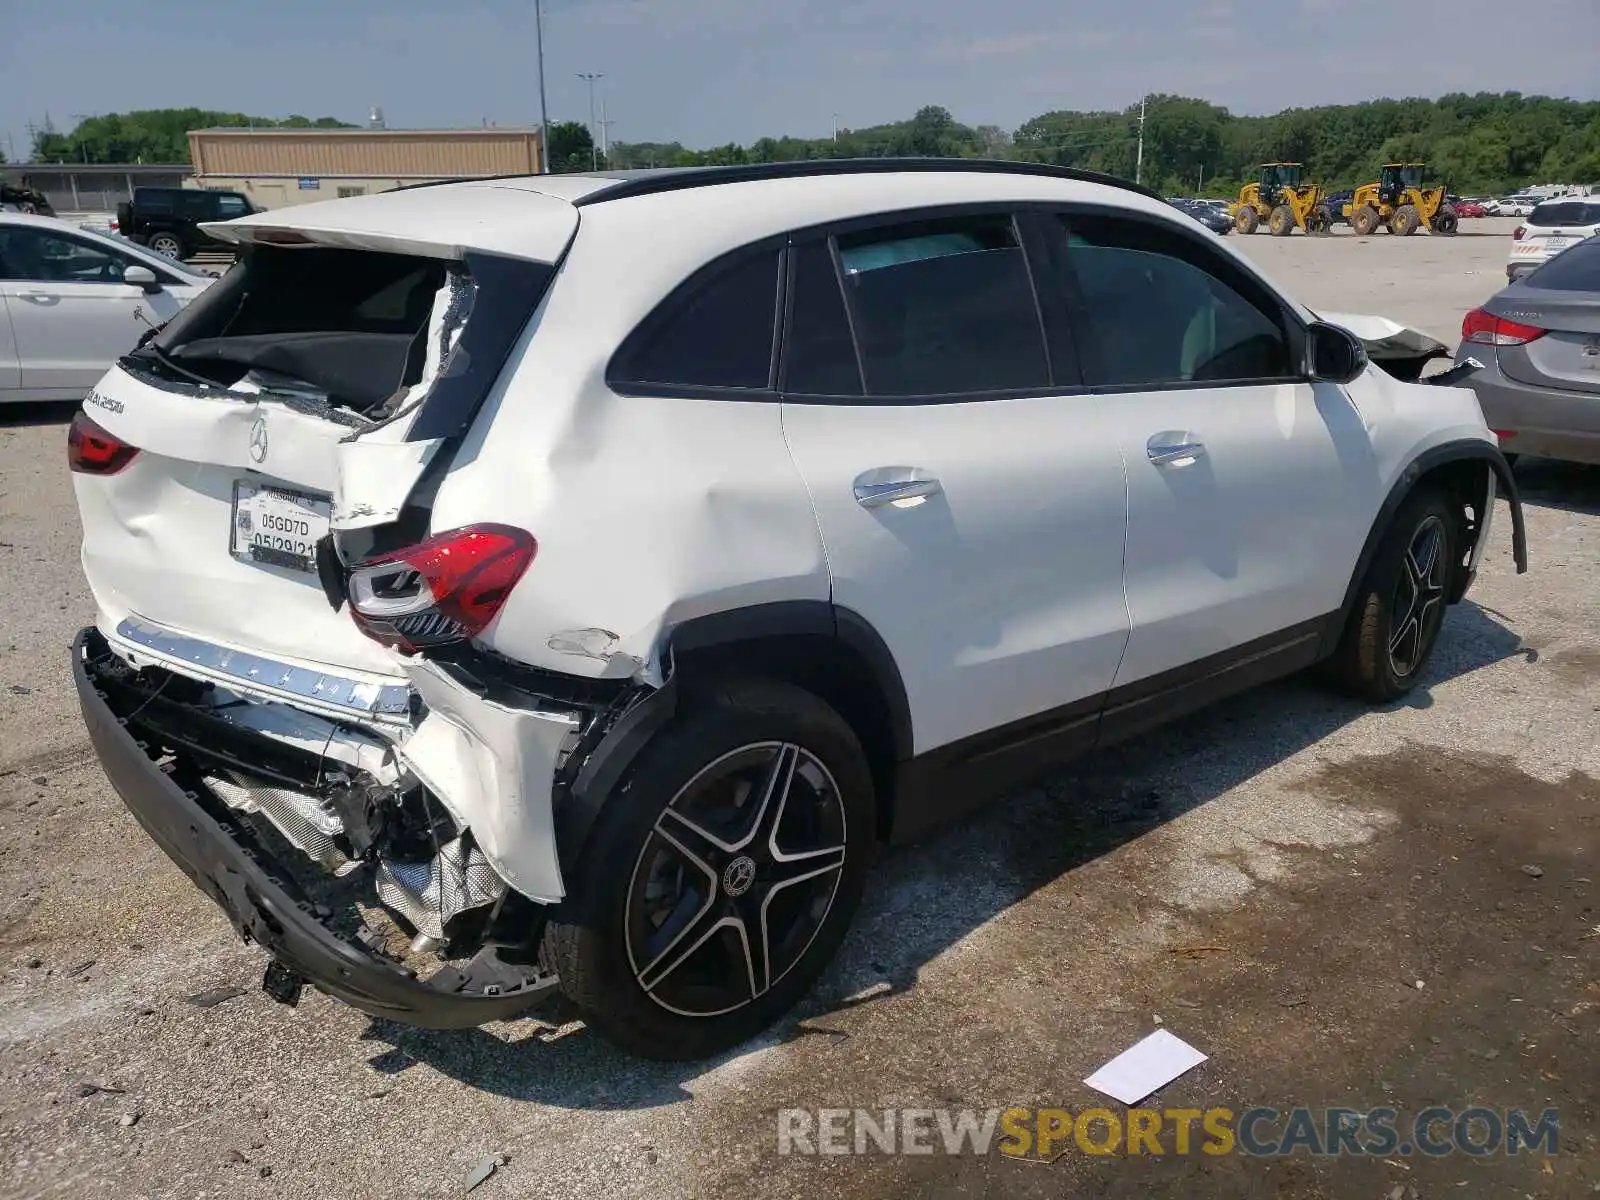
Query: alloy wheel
[[165, 246], [735, 879], [1418, 604]]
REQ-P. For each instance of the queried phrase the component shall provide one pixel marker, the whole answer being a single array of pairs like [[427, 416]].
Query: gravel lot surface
[[1326, 858]]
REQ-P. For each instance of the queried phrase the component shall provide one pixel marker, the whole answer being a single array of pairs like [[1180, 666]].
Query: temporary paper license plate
[[276, 526], [1556, 243]]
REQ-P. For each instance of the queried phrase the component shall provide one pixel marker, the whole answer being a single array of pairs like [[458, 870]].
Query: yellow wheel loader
[[1401, 204], [1281, 200]]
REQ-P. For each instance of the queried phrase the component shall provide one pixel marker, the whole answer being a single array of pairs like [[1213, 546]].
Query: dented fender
[[493, 767]]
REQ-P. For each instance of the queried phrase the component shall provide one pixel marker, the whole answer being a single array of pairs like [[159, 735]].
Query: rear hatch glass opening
[[339, 330]]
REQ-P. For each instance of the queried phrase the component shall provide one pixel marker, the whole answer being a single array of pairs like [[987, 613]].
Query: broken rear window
[[345, 326]]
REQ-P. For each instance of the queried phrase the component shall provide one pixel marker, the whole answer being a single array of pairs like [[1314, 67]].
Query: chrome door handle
[[33, 295], [876, 495], [1167, 449]]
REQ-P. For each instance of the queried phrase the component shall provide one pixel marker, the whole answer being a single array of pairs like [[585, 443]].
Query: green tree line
[[1487, 142], [157, 135]]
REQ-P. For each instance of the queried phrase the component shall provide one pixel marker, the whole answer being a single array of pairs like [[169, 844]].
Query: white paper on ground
[[1142, 1068]]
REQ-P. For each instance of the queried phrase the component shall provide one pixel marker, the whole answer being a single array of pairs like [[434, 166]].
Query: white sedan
[[73, 301]]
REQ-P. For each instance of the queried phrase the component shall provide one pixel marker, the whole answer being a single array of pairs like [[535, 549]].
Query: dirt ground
[[1271, 880]]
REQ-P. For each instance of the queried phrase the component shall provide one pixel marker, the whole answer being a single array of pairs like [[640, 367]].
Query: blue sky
[[710, 71]]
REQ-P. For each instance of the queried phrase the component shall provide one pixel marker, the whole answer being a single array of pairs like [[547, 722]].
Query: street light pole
[[594, 147], [544, 115], [1138, 164]]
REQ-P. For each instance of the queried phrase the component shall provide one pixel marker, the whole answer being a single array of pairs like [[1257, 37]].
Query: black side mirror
[[1335, 354]]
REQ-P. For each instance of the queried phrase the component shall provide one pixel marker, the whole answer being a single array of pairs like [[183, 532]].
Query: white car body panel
[[1003, 597], [1000, 595], [1256, 534]]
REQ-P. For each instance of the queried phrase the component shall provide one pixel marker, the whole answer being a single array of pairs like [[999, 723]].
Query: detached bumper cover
[[224, 860]]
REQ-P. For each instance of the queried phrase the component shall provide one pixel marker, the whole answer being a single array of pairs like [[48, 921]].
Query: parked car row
[[1213, 214]]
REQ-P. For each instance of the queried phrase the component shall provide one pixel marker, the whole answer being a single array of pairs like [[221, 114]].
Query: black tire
[[168, 245], [1405, 220], [1281, 223], [1321, 220], [1445, 221], [1364, 220], [1375, 660], [685, 1014], [1246, 219]]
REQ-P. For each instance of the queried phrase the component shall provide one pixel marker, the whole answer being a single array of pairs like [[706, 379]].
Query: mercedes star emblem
[[258, 440], [739, 875]]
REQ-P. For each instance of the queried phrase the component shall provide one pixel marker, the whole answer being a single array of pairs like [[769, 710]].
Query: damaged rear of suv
[[564, 585]]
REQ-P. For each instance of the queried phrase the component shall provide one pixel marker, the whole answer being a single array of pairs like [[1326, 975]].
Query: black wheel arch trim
[[1464, 449], [606, 764]]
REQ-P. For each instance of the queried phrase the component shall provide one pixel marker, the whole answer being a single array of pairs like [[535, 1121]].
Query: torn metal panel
[[493, 767], [431, 894], [306, 822]]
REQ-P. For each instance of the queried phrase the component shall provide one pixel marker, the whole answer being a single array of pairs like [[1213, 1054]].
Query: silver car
[[1539, 342]]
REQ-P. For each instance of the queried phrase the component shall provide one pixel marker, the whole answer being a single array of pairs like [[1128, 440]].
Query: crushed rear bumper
[[226, 861]]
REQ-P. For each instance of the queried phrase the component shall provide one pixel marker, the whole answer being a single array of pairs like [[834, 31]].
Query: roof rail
[[648, 183]]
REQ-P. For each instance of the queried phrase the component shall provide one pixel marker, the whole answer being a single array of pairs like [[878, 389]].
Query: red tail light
[[1486, 329], [1516, 234], [93, 451], [446, 589]]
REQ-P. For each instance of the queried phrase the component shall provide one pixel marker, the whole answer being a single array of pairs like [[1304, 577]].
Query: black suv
[[167, 219]]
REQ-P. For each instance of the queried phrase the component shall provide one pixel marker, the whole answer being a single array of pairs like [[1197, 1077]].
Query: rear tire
[[677, 945], [1281, 223], [1400, 605], [1246, 220], [1405, 220], [167, 245], [1446, 222], [1364, 220]]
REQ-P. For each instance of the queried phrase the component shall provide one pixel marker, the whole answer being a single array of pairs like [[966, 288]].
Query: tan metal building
[[275, 167]]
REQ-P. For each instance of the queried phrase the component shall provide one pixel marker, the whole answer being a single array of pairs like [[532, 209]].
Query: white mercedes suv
[[567, 584]]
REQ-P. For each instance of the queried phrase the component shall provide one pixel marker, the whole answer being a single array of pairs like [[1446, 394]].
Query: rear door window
[[152, 201], [232, 206], [944, 307], [820, 353], [715, 331]]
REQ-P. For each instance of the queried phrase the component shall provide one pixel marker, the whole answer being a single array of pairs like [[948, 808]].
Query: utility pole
[[590, 78], [544, 115], [836, 127], [1138, 163], [1201, 186], [605, 134]]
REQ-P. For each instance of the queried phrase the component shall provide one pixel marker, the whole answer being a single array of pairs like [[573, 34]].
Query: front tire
[[722, 874], [1281, 223], [1405, 220], [1400, 604]]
